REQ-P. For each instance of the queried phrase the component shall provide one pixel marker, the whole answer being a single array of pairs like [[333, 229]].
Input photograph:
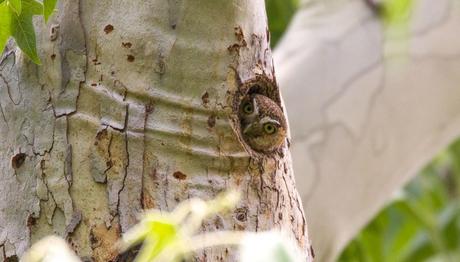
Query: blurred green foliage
[[279, 14], [397, 12], [422, 224], [174, 236]]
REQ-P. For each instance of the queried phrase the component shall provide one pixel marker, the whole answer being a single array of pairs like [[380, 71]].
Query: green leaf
[[397, 11], [162, 234], [49, 6], [23, 30], [279, 13], [5, 25], [1, 1], [15, 5], [32, 7], [157, 231]]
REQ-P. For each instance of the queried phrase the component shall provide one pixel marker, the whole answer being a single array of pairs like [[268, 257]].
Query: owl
[[263, 124]]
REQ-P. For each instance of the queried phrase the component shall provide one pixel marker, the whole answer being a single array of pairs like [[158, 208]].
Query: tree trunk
[[136, 106], [368, 108]]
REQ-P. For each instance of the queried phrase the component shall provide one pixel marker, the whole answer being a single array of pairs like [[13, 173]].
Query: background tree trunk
[[368, 107], [135, 106]]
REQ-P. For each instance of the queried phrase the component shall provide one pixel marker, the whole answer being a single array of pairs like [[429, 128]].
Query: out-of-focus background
[[421, 222], [373, 99]]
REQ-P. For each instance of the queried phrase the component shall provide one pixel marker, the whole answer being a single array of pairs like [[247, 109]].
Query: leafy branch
[[172, 236], [16, 21]]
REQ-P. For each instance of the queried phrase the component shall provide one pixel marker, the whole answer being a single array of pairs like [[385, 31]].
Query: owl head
[[263, 124]]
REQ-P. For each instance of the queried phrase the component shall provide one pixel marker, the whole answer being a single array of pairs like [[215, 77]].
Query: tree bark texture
[[368, 107], [135, 107]]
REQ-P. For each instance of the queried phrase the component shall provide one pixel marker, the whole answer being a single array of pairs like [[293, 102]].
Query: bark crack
[[8, 90], [3, 116]]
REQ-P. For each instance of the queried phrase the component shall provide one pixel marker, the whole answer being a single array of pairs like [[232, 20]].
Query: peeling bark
[[135, 106]]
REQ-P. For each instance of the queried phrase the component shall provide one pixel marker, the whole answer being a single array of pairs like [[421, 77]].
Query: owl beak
[[247, 128]]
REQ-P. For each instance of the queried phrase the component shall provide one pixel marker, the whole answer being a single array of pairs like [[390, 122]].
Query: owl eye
[[269, 128], [248, 108]]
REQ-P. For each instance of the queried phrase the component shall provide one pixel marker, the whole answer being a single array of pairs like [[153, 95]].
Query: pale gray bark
[[135, 107], [367, 108]]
